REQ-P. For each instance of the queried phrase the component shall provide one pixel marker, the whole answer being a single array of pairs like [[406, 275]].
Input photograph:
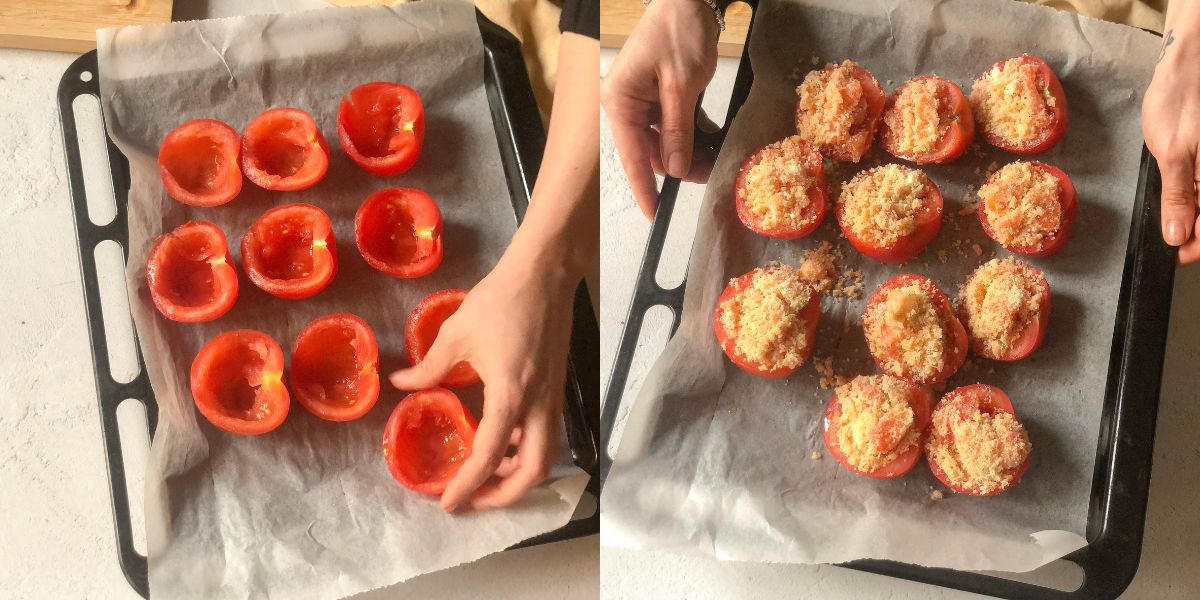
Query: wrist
[[706, 12], [547, 255]]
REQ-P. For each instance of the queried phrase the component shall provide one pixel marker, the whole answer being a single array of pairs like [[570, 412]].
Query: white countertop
[[56, 528], [1172, 522]]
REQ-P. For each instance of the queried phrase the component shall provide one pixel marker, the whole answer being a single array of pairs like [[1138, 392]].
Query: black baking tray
[[1124, 448], [521, 140]]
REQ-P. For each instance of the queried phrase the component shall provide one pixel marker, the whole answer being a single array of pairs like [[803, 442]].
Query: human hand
[[1171, 126], [651, 91], [513, 328]]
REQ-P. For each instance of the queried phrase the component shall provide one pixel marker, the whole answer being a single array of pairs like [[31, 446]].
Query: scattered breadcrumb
[[942, 255], [829, 377], [816, 455], [821, 269], [936, 495], [815, 60], [977, 249]]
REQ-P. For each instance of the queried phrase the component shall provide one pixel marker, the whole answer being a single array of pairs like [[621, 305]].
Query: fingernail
[[450, 508], [1175, 233], [677, 165]]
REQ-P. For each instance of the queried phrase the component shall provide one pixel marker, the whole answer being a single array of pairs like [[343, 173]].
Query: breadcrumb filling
[[875, 425], [1000, 301], [763, 318], [832, 108], [882, 205], [777, 184], [905, 332], [1021, 205], [979, 452], [1013, 102], [915, 119]]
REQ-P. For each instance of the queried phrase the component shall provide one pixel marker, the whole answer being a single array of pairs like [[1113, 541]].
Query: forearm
[[561, 228], [1182, 32]]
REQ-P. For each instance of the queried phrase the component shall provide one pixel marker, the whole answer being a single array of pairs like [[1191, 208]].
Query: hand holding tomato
[[1171, 126]]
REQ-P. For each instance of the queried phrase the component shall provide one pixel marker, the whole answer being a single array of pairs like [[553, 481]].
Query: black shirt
[[582, 17]]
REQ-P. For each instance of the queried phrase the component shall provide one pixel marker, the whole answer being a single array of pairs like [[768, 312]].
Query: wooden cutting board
[[618, 17], [70, 25]]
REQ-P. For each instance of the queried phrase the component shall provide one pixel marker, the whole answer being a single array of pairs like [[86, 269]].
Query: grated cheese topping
[[914, 118], [979, 451], [882, 205], [1012, 102], [832, 110], [777, 184], [875, 425], [1021, 205], [763, 318], [905, 332], [1000, 300]]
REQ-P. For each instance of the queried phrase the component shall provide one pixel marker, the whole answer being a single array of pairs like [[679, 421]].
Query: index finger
[[491, 441], [633, 146]]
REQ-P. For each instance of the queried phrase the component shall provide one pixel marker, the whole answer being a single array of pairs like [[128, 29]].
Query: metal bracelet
[[711, 4]]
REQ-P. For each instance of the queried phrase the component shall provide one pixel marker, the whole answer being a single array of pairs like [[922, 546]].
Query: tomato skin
[[269, 150], [193, 145], [951, 327], [376, 224], [363, 116], [166, 270], [1031, 338], [314, 361], [817, 195], [407, 444], [957, 138], [1051, 136], [229, 358], [262, 245], [1070, 208], [423, 326], [969, 398], [853, 150], [920, 399], [908, 246], [811, 314]]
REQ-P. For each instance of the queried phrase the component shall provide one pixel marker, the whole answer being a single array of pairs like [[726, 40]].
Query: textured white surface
[[56, 531], [1173, 519]]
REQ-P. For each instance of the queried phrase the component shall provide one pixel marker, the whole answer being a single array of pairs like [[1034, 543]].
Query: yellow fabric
[[1146, 14]]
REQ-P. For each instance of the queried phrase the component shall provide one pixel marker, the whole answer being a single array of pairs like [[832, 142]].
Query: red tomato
[[198, 162], [290, 251], [422, 329], [954, 113], [953, 332], [382, 126], [399, 232], [811, 314], [920, 399], [427, 439], [1033, 334], [1044, 81], [190, 275], [283, 150], [335, 367], [813, 214], [929, 223], [1070, 207], [237, 382], [858, 143], [968, 400]]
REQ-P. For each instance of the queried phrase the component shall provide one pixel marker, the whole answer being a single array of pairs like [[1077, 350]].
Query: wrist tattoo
[[1167, 41]]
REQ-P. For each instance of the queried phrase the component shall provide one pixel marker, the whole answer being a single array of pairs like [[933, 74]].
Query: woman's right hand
[[651, 91]]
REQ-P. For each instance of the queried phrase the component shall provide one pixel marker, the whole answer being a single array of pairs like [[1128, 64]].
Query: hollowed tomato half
[[382, 127], [427, 438], [283, 150], [422, 329], [399, 232], [919, 400], [905, 120], [237, 382], [1020, 95], [887, 349], [290, 251], [190, 275], [968, 401], [198, 162], [335, 367]]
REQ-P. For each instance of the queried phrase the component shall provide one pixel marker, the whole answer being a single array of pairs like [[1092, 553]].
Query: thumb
[[1178, 198], [678, 108], [429, 372]]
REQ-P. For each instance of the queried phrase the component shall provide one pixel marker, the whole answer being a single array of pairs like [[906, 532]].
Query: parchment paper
[[720, 461], [309, 510]]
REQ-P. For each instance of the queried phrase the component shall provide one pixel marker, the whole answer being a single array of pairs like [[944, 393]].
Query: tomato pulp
[[190, 275], [954, 335], [852, 147], [382, 127], [198, 162], [335, 367], [811, 314], [1067, 199], [427, 438], [290, 251], [237, 382], [919, 399], [399, 232], [422, 329], [955, 120], [284, 150], [968, 400]]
